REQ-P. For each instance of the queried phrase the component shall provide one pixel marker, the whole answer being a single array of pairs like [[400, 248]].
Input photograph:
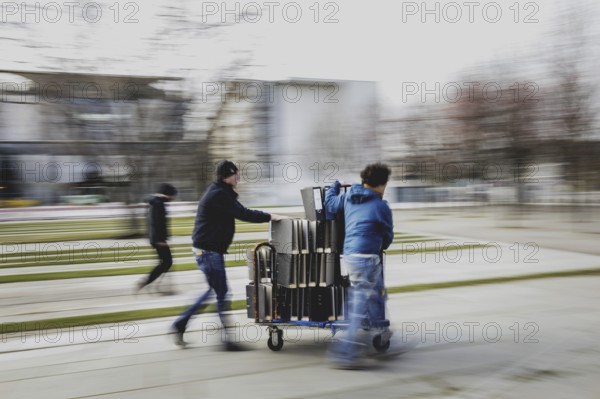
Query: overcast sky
[[386, 41]]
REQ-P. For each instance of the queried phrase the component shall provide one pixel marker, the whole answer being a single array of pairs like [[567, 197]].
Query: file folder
[[284, 236], [284, 299], [313, 201], [313, 270], [265, 302], [303, 270], [265, 258], [287, 270], [327, 268], [320, 304], [304, 233]]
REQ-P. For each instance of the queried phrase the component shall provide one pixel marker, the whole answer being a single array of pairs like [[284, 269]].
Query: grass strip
[[124, 271], [409, 241], [407, 236], [106, 318], [491, 280], [121, 271], [122, 246], [122, 252], [437, 248], [102, 255], [46, 238], [116, 317], [74, 230], [94, 234]]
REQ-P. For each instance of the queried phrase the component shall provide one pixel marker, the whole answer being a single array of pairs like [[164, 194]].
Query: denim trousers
[[212, 264], [364, 300]]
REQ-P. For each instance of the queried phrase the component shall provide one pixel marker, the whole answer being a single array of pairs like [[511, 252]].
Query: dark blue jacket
[[215, 219], [368, 218]]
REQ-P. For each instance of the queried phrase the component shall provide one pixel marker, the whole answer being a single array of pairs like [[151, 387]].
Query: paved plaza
[[533, 338]]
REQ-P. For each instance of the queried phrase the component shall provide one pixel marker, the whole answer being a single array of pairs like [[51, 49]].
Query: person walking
[[214, 228], [158, 232], [369, 229]]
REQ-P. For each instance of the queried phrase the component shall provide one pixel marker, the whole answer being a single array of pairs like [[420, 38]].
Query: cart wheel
[[380, 345], [275, 342]]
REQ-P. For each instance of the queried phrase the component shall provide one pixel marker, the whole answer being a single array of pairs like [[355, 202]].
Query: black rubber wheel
[[279, 345], [379, 345]]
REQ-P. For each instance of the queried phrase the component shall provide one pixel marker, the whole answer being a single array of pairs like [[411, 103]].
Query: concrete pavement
[[534, 338]]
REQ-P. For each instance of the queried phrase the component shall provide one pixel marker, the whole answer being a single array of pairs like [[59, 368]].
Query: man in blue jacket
[[214, 229], [369, 230]]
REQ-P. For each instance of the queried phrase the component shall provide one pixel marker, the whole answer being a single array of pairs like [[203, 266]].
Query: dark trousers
[[164, 264]]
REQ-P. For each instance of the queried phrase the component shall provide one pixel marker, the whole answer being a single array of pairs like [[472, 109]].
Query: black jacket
[[157, 220], [215, 219]]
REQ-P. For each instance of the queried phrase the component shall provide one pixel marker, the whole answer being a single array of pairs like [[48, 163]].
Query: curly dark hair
[[375, 174]]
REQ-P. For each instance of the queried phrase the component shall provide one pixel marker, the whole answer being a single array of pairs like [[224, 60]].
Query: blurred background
[[487, 113], [486, 103]]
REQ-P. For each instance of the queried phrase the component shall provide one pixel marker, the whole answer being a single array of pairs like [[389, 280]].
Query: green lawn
[[77, 230]]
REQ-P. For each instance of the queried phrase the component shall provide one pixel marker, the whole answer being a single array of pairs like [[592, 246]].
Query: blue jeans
[[366, 283], [212, 264], [377, 301]]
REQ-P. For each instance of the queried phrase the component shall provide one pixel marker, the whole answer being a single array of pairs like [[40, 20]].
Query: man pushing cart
[[297, 279]]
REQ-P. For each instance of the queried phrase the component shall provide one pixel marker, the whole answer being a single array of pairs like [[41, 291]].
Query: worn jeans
[[365, 272], [212, 264]]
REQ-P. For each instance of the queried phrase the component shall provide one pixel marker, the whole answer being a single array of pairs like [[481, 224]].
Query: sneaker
[[230, 346], [346, 364], [139, 286], [178, 332], [164, 286], [166, 292]]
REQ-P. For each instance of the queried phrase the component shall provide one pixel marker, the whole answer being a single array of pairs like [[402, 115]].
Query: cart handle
[[256, 277]]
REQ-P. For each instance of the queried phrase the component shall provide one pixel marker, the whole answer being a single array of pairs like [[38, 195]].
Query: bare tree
[[572, 107]]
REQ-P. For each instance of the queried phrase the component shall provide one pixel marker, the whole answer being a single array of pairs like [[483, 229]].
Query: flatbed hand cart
[[270, 303]]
